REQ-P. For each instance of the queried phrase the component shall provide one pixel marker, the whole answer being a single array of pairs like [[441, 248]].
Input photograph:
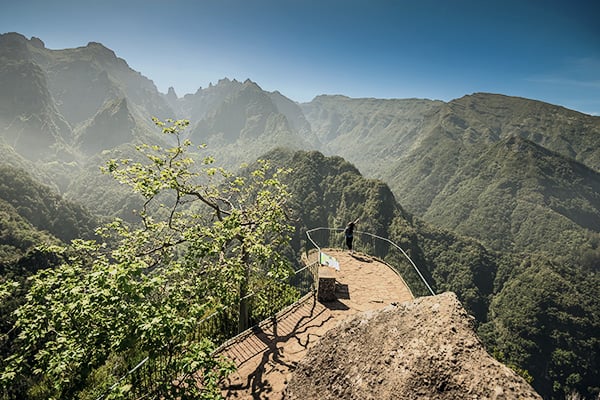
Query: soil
[[374, 341], [267, 355], [422, 349]]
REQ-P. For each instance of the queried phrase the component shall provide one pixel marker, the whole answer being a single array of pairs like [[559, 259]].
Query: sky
[[544, 50]]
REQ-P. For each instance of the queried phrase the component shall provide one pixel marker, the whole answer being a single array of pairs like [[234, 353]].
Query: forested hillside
[[518, 196], [517, 174], [526, 305], [35, 215]]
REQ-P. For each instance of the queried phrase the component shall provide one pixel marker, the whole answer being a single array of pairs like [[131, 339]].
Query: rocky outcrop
[[112, 126], [423, 349]]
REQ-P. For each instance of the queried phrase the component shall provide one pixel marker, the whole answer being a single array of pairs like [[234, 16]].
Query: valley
[[497, 197]]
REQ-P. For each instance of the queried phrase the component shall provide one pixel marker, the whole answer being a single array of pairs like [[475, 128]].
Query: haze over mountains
[[446, 162], [517, 175]]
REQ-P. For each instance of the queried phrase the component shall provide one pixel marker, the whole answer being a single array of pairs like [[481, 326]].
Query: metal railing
[[382, 248], [221, 326]]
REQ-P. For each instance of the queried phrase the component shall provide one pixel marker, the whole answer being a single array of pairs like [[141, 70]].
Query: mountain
[[29, 119], [372, 133], [493, 117], [240, 121], [60, 107], [456, 164], [209, 104], [459, 131], [329, 191], [526, 305]]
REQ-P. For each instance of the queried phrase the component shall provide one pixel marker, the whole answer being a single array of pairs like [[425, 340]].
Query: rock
[[425, 348]]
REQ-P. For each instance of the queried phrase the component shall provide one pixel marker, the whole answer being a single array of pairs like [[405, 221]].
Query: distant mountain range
[[489, 192], [486, 165]]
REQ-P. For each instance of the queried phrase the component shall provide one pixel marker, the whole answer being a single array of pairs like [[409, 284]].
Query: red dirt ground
[[267, 357], [425, 349]]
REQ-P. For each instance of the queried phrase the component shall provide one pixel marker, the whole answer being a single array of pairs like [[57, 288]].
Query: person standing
[[349, 234]]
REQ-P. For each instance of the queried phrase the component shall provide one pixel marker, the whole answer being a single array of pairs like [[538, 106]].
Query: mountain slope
[[566, 132], [450, 163], [43, 208], [29, 120], [82, 79], [34, 214], [519, 196], [113, 125], [545, 320]]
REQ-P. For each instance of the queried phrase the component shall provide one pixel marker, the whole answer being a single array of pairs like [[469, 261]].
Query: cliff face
[[423, 349]]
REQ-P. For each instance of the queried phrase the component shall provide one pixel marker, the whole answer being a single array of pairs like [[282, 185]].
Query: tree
[[206, 239]]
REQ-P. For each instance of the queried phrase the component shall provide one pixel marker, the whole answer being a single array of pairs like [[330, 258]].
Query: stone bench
[[326, 284]]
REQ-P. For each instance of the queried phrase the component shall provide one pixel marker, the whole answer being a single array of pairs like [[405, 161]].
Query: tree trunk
[[244, 317], [243, 321]]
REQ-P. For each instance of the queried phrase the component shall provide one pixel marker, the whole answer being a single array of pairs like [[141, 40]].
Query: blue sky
[[544, 50]]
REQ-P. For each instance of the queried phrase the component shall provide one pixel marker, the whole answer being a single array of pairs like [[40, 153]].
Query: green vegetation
[[544, 320], [206, 240], [536, 313], [42, 208], [524, 305]]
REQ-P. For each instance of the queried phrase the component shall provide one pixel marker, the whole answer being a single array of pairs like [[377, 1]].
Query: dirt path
[[266, 358]]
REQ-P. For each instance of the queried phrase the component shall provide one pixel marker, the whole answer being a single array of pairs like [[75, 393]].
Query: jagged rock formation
[[424, 349], [243, 121]]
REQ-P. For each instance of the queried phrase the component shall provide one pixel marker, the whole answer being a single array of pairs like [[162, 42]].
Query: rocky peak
[[37, 42], [13, 46], [171, 95], [421, 349], [101, 50]]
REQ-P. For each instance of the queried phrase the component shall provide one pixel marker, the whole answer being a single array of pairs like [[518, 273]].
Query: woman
[[348, 232]]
